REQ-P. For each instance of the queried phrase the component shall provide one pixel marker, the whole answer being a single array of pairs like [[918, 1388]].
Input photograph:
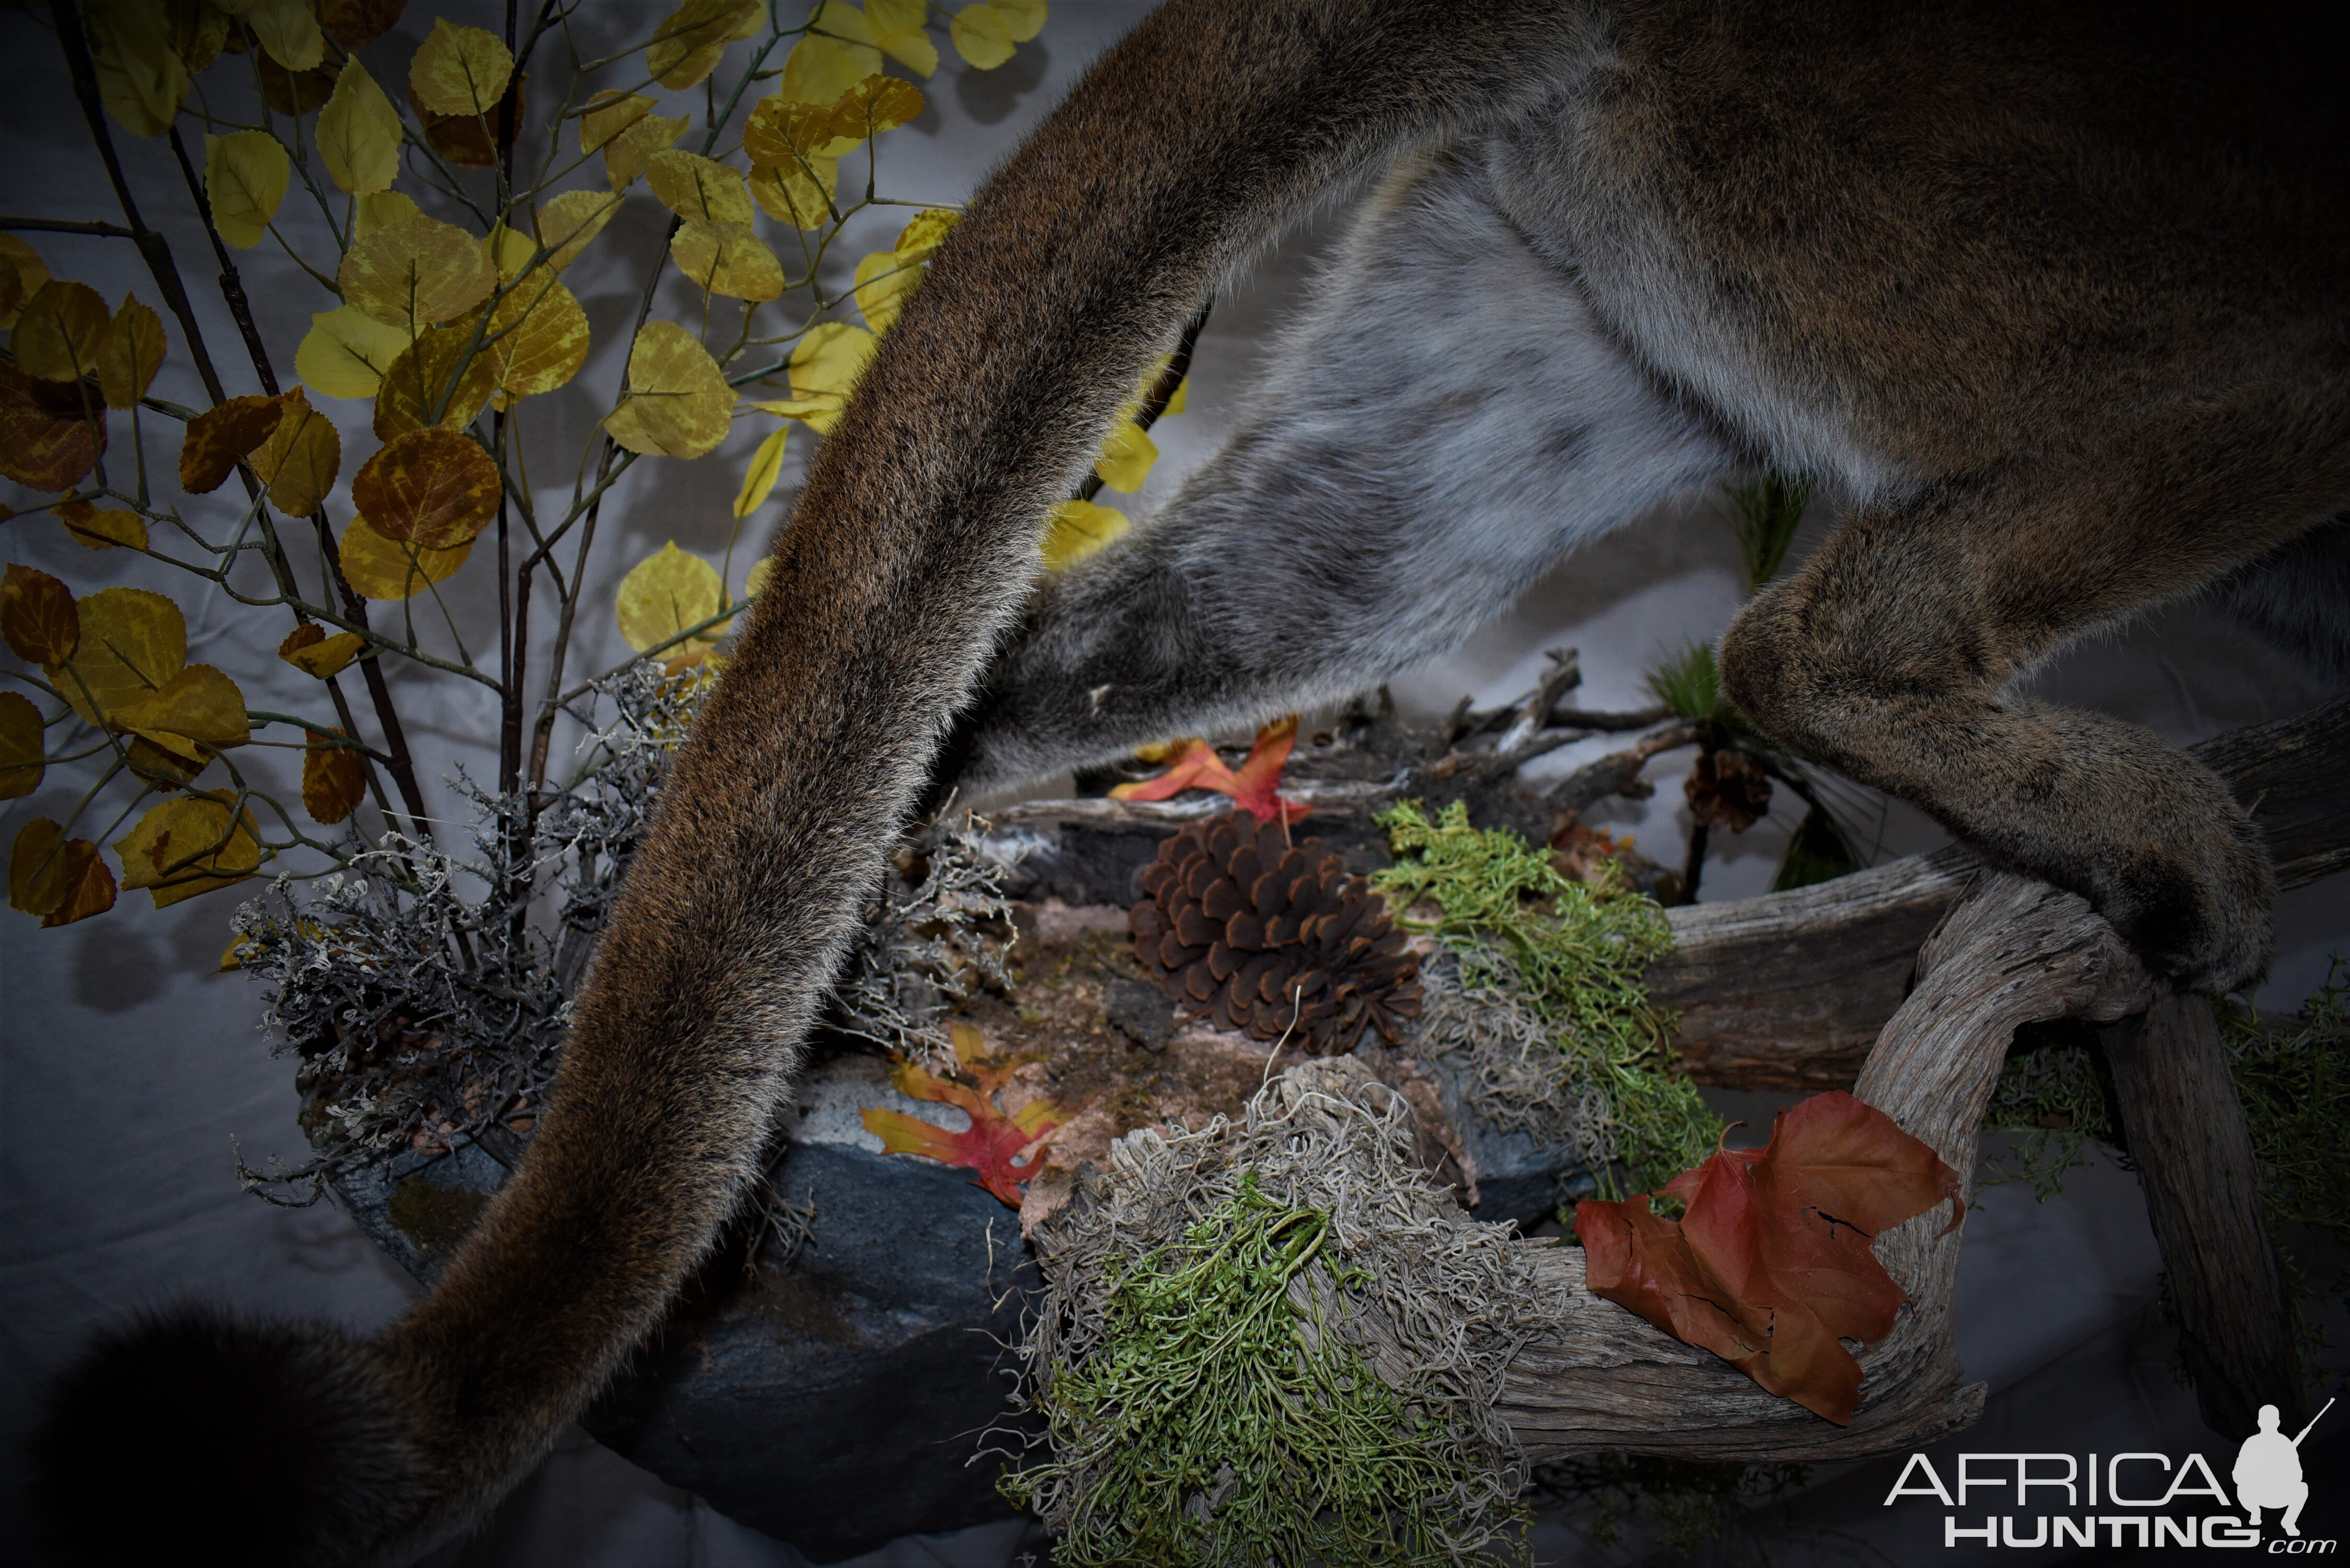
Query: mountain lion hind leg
[[1890, 656], [1442, 423]]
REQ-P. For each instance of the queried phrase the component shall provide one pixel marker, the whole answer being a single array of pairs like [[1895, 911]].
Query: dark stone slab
[[834, 1399], [838, 1401]]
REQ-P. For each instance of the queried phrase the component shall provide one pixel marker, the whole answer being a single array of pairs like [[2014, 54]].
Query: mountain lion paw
[[2200, 912]]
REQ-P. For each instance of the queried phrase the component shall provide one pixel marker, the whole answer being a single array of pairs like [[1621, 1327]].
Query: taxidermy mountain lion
[[2052, 295]]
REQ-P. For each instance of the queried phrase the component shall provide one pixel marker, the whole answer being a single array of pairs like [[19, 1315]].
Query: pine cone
[[1727, 790], [1256, 933]]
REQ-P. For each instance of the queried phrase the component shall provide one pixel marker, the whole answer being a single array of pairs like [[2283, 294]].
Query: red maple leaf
[[1255, 788], [1772, 1265], [996, 1147]]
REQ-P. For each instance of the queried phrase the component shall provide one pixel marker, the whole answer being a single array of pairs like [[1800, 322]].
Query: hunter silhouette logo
[[2146, 1500], [2268, 1471]]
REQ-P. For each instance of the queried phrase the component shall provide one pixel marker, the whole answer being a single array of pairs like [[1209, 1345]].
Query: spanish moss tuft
[[1277, 1343]]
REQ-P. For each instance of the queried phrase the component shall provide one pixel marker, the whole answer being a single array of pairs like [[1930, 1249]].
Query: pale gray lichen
[[1277, 1341]]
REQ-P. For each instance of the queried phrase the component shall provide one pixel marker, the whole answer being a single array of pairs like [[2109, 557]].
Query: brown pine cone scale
[[1261, 935]]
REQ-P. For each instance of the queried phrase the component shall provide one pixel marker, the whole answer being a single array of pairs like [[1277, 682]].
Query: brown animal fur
[[2091, 335]]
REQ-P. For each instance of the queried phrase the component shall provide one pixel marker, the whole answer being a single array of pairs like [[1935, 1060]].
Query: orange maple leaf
[[1771, 1266], [1255, 788], [997, 1148]]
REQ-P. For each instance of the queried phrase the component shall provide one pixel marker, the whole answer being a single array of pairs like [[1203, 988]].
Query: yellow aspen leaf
[[190, 846], [460, 70], [358, 133], [1126, 456], [882, 281], [309, 650], [416, 271], [20, 746], [129, 352], [728, 259], [510, 251], [36, 868], [219, 436], [664, 594], [982, 34], [245, 179], [196, 32], [22, 274], [140, 81], [89, 884], [96, 530], [829, 359], [1078, 528], [783, 132], [759, 479], [356, 24], [288, 31], [626, 154], [1024, 18], [819, 414], [347, 351], [898, 28], [334, 778], [678, 402], [300, 458], [434, 488], [797, 193], [443, 371], [58, 333], [876, 104], [539, 337], [838, 53], [196, 712], [1175, 402], [37, 615], [380, 210], [608, 114], [568, 222], [393, 569], [693, 186], [130, 642], [156, 766], [687, 47], [762, 572], [924, 233], [47, 439]]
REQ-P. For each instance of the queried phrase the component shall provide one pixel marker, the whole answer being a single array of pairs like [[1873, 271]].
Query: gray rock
[[834, 1398]]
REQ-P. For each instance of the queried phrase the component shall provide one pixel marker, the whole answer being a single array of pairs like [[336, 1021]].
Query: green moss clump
[[1575, 957], [1221, 1420]]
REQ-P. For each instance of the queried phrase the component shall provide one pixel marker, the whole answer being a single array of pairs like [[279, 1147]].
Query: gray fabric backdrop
[[129, 1070]]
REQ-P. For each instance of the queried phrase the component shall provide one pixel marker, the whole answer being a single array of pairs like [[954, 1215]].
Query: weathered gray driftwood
[[2194, 1156], [1787, 990]]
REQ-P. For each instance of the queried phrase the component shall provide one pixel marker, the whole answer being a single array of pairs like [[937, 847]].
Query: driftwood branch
[[2012, 952], [1787, 990], [2194, 1156], [2000, 951]]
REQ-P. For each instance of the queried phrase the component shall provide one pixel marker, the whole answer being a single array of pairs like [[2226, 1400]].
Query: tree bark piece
[[2194, 1154], [2013, 951]]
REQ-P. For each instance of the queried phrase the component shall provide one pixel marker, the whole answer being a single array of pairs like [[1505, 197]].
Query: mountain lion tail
[[912, 548]]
